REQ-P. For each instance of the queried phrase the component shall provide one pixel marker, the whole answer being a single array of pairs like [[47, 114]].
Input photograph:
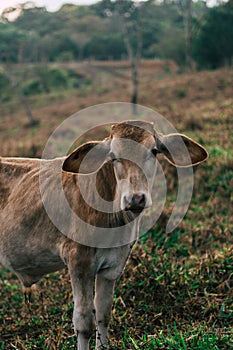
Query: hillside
[[176, 291], [190, 101]]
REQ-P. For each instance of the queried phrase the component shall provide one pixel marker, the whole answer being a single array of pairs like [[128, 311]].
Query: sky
[[51, 5]]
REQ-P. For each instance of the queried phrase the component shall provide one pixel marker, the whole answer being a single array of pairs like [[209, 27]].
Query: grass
[[176, 290], [196, 338]]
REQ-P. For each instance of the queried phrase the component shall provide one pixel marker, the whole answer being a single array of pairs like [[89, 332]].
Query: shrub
[[33, 87]]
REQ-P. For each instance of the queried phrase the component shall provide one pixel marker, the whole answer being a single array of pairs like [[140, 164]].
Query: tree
[[15, 85], [12, 42], [84, 31], [213, 45], [129, 13], [186, 7], [171, 45], [163, 32], [105, 46]]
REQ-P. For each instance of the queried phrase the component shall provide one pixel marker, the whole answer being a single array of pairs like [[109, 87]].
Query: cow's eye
[[112, 156], [154, 151]]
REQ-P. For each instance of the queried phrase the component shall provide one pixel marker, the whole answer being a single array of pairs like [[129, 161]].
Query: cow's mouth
[[135, 210]]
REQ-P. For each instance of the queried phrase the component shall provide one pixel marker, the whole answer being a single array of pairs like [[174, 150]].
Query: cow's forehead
[[138, 131]]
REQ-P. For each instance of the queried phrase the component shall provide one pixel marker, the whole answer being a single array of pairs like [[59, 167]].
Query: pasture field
[[176, 290]]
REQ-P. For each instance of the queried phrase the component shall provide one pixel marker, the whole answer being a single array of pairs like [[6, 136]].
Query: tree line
[[185, 31]]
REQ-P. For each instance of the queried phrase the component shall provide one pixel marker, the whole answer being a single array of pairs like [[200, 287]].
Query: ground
[[176, 290]]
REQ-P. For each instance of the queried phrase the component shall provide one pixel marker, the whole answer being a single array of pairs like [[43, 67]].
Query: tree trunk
[[23, 102], [134, 99], [134, 58], [188, 35]]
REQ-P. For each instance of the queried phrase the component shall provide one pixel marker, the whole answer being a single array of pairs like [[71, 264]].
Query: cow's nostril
[[142, 200], [138, 199]]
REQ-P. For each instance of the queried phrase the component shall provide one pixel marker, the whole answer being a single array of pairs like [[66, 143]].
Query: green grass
[[196, 339]]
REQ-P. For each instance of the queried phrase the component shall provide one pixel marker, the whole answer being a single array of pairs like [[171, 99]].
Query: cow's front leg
[[103, 306], [82, 280]]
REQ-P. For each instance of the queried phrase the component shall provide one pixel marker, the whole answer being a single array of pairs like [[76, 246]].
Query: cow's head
[[131, 148]]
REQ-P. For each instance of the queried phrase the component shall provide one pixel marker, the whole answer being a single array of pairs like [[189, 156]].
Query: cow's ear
[[87, 158], [181, 150]]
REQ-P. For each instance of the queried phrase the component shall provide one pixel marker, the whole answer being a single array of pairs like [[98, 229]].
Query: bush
[[33, 87], [47, 79], [57, 78]]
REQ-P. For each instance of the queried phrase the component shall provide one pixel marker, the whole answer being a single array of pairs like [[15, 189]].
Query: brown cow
[[122, 169]]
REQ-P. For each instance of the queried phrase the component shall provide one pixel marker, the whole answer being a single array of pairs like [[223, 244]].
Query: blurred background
[[174, 56]]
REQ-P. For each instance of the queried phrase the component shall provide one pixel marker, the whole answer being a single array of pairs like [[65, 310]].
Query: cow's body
[[32, 246], [30, 243]]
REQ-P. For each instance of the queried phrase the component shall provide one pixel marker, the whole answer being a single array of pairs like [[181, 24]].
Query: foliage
[[41, 79], [171, 45], [94, 31], [214, 44], [105, 46], [11, 42]]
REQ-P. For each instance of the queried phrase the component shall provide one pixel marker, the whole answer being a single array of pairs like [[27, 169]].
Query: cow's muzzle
[[135, 202]]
